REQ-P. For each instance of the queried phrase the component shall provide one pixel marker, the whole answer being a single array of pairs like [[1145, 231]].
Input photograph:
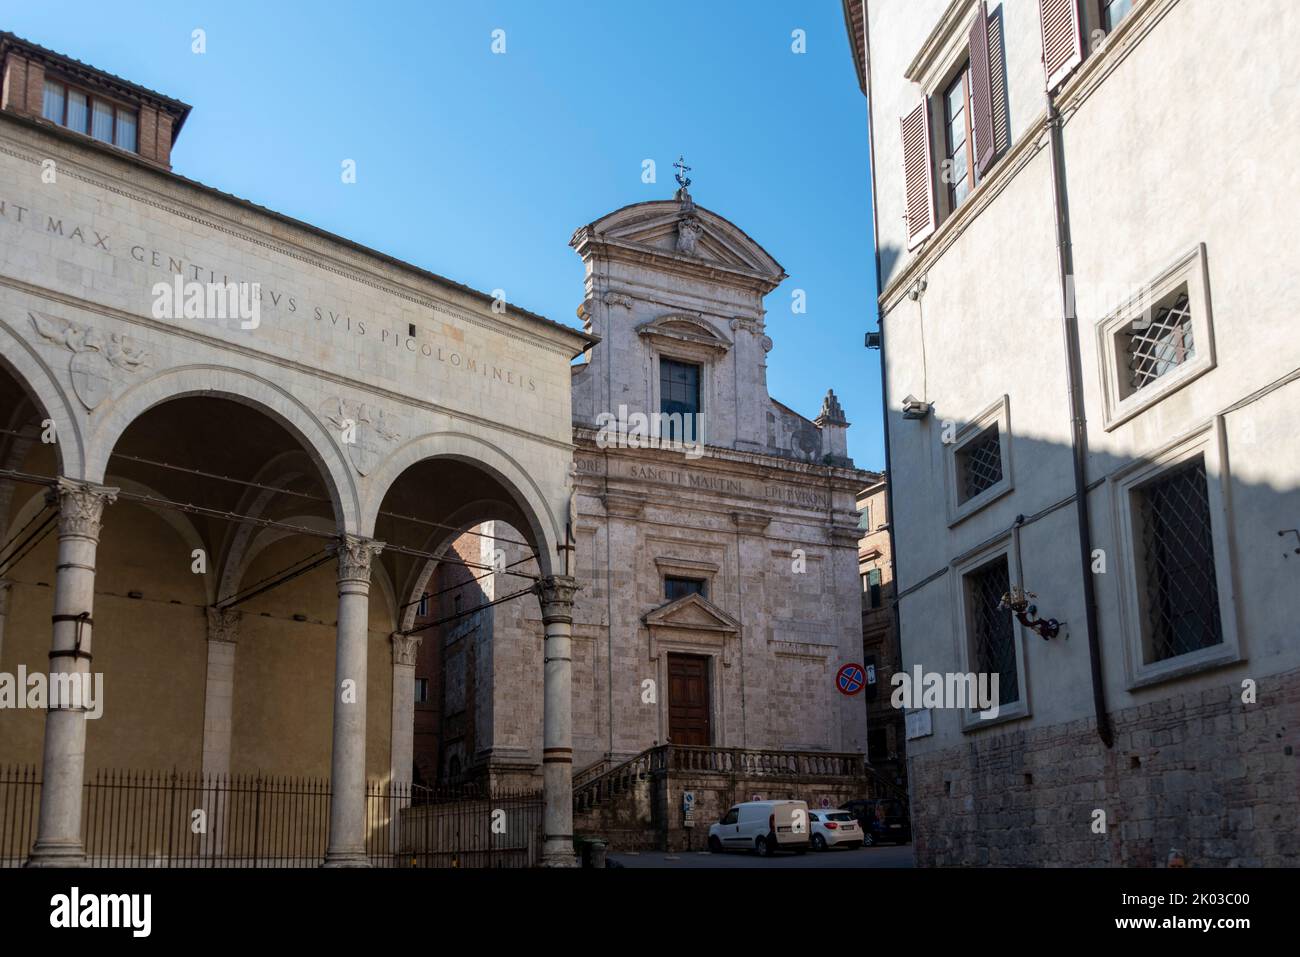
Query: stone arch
[[238, 386], [439, 541], [536, 518], [21, 360]]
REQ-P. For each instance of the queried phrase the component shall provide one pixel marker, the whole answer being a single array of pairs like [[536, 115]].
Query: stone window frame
[[961, 566], [701, 354], [670, 567], [1119, 404], [1210, 442], [999, 414]]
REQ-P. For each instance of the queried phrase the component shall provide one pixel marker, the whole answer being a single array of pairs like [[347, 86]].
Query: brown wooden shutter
[[998, 85], [1062, 40], [981, 92], [918, 174]]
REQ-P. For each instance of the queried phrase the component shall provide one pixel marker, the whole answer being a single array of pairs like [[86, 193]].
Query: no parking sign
[[851, 679]]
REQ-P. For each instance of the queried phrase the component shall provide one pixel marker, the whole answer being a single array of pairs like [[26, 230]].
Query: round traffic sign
[[850, 679]]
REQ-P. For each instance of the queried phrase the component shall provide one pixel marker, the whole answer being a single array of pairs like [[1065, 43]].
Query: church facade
[[713, 529]]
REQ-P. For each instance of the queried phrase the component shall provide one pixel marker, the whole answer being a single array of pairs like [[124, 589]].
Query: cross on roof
[[682, 179]]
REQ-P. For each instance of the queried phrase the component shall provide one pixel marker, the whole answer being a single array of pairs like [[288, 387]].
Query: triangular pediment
[[659, 227], [691, 612]]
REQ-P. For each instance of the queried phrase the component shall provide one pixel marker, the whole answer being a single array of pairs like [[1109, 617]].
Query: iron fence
[[178, 819]]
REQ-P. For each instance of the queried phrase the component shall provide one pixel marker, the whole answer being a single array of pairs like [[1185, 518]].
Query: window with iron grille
[[1180, 600], [992, 631], [1156, 343], [979, 464]]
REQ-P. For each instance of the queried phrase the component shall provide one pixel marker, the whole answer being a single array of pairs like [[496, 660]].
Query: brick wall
[[1199, 772], [23, 85]]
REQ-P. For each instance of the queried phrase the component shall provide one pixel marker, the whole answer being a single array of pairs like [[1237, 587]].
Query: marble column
[[218, 719], [406, 648], [347, 838], [556, 596], [58, 835], [219, 692]]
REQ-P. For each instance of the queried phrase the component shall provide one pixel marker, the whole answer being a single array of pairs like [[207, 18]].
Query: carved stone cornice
[[81, 507], [405, 648], [223, 624], [618, 505], [355, 556], [755, 523]]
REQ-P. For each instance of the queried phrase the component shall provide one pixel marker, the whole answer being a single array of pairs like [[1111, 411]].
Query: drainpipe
[[1078, 420]]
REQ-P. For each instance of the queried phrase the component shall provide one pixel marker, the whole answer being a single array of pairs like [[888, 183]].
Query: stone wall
[[649, 814], [1199, 772]]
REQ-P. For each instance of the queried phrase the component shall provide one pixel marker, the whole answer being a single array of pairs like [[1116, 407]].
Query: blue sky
[[480, 166]]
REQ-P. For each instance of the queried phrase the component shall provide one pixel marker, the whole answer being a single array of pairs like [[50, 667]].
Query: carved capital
[[223, 624], [405, 648], [355, 555], [556, 596], [81, 507]]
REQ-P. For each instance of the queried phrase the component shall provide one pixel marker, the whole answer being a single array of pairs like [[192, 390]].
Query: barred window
[[993, 635], [1154, 344], [1181, 594], [979, 464]]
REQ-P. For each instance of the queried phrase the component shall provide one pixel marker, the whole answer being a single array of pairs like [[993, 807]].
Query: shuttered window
[[918, 175], [1062, 40], [998, 86], [981, 90]]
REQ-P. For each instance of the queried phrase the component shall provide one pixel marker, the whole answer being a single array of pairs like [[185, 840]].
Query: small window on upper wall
[[979, 461], [91, 115], [676, 587], [1157, 339]]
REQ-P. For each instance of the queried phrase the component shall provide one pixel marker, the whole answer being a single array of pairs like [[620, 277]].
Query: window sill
[[1196, 662], [971, 722]]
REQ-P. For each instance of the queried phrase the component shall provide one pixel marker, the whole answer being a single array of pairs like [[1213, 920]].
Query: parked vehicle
[[763, 826], [883, 820], [834, 829]]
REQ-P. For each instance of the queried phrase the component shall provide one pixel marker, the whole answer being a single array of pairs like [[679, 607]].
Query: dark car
[[883, 820]]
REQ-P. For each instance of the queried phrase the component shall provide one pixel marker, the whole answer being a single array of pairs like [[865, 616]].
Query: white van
[[762, 826]]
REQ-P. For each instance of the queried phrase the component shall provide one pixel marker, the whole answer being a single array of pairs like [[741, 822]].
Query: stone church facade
[[719, 589]]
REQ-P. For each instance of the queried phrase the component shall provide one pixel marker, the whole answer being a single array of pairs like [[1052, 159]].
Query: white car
[[833, 829], [762, 826]]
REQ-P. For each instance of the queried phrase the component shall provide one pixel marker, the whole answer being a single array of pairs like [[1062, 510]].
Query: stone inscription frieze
[[293, 307], [696, 480]]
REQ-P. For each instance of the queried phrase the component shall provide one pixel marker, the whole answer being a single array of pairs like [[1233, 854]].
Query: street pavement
[[883, 856]]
